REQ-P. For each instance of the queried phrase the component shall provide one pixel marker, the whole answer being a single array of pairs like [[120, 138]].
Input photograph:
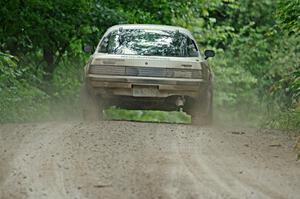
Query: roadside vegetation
[[257, 65]]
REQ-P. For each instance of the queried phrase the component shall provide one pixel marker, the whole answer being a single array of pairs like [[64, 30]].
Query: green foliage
[[39, 24], [147, 116], [236, 90], [232, 90], [289, 15], [284, 75], [66, 85], [257, 71], [19, 100], [288, 120]]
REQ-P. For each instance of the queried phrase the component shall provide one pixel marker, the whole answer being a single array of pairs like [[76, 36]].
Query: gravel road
[[114, 159]]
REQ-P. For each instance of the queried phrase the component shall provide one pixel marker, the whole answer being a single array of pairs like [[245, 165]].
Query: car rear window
[[148, 43]]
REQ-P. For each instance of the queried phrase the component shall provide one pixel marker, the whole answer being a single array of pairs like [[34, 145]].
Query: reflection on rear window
[[148, 43]]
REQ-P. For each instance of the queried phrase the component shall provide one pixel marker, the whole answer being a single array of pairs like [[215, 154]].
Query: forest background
[[256, 68]]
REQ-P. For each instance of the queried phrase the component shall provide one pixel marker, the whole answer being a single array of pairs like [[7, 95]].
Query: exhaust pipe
[[180, 101]]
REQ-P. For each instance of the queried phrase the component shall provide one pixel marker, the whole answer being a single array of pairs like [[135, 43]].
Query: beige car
[[148, 67]]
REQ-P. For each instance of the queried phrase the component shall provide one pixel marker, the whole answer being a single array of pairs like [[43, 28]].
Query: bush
[[20, 101], [236, 100], [66, 84]]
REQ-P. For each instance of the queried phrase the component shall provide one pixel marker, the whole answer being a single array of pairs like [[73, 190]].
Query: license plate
[[139, 91], [183, 74]]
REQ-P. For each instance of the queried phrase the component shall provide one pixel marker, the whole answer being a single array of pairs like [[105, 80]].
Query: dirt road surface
[[140, 160]]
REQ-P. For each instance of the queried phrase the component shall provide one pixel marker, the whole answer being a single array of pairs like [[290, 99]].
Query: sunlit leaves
[[289, 15]]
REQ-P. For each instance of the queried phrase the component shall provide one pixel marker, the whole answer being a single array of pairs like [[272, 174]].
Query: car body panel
[[147, 76]]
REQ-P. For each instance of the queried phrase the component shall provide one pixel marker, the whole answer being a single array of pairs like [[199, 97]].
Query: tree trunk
[[50, 67]]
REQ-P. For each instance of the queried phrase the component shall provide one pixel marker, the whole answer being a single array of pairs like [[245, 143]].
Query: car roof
[[151, 27]]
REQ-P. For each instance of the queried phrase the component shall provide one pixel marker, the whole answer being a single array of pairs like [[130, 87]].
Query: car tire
[[202, 112], [90, 105]]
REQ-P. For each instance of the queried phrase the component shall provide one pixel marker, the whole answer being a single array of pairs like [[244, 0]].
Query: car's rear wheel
[[90, 104], [202, 109]]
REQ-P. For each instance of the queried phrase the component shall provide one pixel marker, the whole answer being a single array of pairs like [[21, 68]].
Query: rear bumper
[[107, 85]]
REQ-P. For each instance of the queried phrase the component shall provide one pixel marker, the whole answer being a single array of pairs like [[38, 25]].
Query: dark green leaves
[[288, 14]]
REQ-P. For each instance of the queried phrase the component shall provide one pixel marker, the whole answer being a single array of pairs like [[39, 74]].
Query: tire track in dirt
[[141, 160]]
